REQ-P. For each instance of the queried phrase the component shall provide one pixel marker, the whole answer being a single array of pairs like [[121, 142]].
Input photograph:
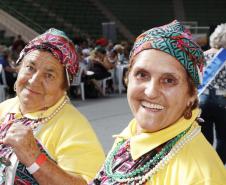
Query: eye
[[29, 68], [169, 80], [141, 75], [50, 76]]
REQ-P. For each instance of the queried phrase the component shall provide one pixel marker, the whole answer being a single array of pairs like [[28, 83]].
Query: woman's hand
[[23, 142]]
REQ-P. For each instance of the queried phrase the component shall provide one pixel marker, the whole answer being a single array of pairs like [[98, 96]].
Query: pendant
[[5, 161]]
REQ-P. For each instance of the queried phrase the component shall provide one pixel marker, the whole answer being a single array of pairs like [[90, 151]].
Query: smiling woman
[[40, 80], [163, 144], [41, 132], [153, 92]]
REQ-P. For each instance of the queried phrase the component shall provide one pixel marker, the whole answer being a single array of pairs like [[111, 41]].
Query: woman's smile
[[31, 91], [151, 105]]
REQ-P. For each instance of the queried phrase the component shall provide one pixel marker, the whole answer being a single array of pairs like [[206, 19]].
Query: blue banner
[[212, 69]]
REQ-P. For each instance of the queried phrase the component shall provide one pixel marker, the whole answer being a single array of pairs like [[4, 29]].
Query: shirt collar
[[38, 114], [145, 142]]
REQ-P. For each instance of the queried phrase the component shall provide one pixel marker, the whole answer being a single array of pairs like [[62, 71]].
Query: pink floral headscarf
[[56, 42]]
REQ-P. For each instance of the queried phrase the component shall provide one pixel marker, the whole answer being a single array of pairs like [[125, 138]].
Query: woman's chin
[[148, 123], [26, 99], [147, 127]]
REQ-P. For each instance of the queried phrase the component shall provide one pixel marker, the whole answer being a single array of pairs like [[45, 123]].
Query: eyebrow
[[164, 73], [51, 70], [140, 68], [30, 61], [174, 74]]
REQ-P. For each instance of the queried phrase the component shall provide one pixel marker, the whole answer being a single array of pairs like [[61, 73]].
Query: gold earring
[[188, 112]]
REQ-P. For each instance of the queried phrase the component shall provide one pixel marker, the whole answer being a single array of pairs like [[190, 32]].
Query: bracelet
[[36, 165]]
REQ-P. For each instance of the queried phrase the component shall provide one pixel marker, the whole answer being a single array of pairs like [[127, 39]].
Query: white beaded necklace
[[176, 148], [42, 120], [46, 119]]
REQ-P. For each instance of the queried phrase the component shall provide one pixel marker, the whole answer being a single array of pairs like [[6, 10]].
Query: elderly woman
[[163, 144], [213, 100], [44, 139]]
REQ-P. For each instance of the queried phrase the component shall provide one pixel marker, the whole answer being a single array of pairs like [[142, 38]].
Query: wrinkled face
[[39, 82], [157, 90]]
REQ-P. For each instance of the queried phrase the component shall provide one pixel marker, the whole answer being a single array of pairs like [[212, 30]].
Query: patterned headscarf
[[175, 40], [56, 42]]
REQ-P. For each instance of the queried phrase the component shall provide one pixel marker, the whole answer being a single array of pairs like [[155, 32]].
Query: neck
[[24, 110], [26, 106]]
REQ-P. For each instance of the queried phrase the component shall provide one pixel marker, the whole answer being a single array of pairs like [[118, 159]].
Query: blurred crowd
[[100, 57], [8, 56], [97, 58]]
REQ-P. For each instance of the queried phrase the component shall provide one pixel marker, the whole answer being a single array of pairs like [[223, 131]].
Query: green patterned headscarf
[[175, 40]]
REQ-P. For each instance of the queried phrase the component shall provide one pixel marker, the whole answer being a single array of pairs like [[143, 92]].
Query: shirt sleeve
[[75, 146]]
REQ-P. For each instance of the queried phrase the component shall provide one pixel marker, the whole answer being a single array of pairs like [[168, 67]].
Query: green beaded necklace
[[151, 163]]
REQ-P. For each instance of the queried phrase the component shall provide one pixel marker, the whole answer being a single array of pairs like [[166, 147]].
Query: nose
[[151, 89], [35, 78]]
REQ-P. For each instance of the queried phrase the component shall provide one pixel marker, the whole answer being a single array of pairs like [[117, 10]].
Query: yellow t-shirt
[[67, 137], [196, 163]]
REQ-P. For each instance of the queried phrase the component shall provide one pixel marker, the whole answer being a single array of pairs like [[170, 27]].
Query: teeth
[[151, 105]]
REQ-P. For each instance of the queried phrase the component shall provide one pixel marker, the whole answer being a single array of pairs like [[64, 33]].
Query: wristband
[[36, 165]]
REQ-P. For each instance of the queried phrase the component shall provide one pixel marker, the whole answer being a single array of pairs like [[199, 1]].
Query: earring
[[188, 112], [14, 87]]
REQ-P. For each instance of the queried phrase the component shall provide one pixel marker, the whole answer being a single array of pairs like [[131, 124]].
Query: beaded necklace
[[153, 165], [46, 119]]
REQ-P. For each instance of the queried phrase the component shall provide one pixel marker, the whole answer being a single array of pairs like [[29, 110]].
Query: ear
[[191, 100]]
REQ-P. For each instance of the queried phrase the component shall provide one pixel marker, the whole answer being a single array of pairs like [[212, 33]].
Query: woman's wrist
[[35, 166]]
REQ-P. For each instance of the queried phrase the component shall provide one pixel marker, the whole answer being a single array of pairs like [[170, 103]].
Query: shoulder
[[196, 163], [68, 128], [71, 121], [199, 161], [70, 112], [9, 101], [8, 105]]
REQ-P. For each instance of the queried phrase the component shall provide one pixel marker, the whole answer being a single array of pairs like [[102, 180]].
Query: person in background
[[99, 63], [163, 144], [17, 46], [119, 49], [44, 139], [213, 100], [127, 47], [9, 70]]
